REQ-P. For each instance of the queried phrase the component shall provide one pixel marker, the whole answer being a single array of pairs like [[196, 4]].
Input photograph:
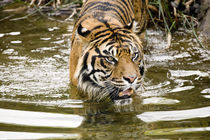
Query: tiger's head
[[112, 63]]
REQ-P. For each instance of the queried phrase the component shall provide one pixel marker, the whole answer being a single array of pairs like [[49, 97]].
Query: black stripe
[[105, 77], [104, 6], [101, 36], [110, 43], [123, 11], [141, 68], [110, 48], [131, 5], [98, 51], [102, 63], [85, 77], [100, 32], [105, 40], [93, 62], [97, 27], [88, 6], [126, 9], [85, 62], [94, 71], [123, 35], [94, 77]]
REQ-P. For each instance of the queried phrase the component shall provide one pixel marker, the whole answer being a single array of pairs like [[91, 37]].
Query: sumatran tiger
[[106, 59]]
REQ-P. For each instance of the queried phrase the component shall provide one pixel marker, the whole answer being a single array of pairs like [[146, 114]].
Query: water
[[36, 101]]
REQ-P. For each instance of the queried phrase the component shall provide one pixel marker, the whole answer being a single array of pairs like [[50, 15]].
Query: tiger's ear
[[83, 31], [129, 25]]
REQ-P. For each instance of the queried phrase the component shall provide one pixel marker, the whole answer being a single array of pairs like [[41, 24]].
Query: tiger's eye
[[111, 60]]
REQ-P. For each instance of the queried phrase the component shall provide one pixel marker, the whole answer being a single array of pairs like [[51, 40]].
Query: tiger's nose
[[130, 79]]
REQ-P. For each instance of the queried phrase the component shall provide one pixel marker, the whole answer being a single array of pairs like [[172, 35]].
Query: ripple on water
[[45, 38], [65, 103], [2, 35], [33, 77], [53, 29], [159, 100], [13, 33], [44, 49], [185, 73], [160, 57], [206, 91], [18, 57], [16, 42], [178, 89], [8, 51], [156, 90]]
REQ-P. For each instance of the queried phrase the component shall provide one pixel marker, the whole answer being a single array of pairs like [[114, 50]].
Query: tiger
[[106, 57]]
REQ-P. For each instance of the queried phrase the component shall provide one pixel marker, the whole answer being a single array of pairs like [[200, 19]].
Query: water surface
[[36, 101]]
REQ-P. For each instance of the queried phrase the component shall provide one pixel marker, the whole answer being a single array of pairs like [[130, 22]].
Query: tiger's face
[[112, 66]]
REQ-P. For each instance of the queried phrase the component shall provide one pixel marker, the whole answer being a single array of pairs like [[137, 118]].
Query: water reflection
[[41, 119], [35, 94], [176, 131], [175, 115], [27, 135], [206, 90]]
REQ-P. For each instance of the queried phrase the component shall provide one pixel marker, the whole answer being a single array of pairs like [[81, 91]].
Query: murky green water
[[36, 101]]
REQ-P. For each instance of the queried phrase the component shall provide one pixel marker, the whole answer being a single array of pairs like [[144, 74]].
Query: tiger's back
[[103, 37]]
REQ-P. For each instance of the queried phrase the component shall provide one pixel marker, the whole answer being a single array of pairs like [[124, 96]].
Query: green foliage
[[18, 1], [164, 15], [77, 2], [13, 4], [168, 16], [72, 1]]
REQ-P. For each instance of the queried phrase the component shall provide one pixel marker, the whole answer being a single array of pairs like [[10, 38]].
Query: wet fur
[[103, 49]]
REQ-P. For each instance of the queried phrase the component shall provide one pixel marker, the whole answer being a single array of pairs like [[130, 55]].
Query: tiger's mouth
[[127, 92], [124, 94]]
